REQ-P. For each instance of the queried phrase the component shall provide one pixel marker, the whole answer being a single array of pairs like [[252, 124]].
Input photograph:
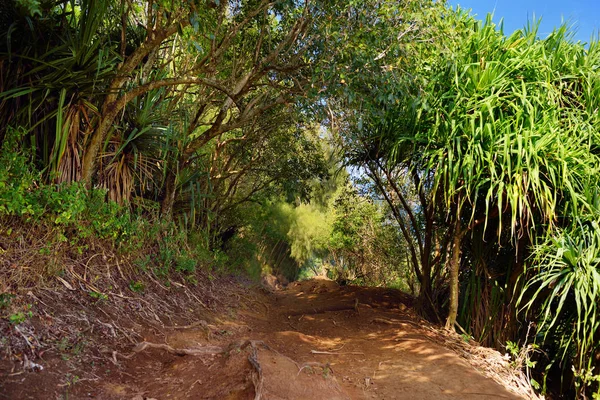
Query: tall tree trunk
[[166, 206], [510, 324], [426, 302], [454, 267], [90, 155], [113, 104]]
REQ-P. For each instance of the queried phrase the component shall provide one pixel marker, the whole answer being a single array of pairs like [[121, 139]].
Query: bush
[[77, 216], [68, 206]]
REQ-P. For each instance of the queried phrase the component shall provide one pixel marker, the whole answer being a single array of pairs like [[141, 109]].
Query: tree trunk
[[510, 326], [166, 206], [111, 107], [425, 303], [454, 270], [90, 154]]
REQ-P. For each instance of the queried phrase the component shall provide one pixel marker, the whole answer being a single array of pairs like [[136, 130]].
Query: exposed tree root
[[257, 374], [386, 321], [337, 354], [202, 351], [311, 364], [322, 310], [253, 358], [203, 324], [266, 307]]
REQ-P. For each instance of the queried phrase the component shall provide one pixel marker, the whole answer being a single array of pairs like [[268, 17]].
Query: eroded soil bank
[[311, 340]]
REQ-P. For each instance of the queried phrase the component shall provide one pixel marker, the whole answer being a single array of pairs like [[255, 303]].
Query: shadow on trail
[[321, 341]]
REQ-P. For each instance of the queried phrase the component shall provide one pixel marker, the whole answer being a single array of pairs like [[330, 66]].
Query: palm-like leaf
[[508, 127], [565, 290], [56, 82]]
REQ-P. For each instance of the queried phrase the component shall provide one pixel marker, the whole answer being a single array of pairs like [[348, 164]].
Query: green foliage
[[352, 214], [508, 129], [244, 254], [69, 206], [17, 176], [513, 348], [98, 296], [515, 126], [586, 380], [20, 316], [137, 286], [308, 233], [564, 292], [363, 246], [368, 47], [31, 7], [494, 135], [186, 264], [78, 215], [23, 193], [72, 68], [468, 135], [17, 318], [522, 358], [261, 245], [5, 299]]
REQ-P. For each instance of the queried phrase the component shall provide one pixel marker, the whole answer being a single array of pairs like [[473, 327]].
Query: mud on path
[[312, 340]]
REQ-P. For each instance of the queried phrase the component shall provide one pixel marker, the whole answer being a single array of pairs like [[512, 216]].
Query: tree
[[365, 247], [508, 128], [376, 58], [493, 138], [215, 67]]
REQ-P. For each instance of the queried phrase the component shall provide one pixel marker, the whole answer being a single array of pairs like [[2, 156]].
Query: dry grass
[[34, 253]]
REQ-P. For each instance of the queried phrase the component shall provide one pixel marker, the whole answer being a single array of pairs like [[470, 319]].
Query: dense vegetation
[[383, 143]]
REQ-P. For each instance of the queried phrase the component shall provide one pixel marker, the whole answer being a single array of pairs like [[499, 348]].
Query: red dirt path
[[371, 359], [399, 361]]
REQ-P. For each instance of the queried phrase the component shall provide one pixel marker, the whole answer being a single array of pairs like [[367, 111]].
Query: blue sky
[[584, 14]]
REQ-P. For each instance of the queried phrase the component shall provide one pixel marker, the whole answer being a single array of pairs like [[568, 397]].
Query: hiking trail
[[311, 340]]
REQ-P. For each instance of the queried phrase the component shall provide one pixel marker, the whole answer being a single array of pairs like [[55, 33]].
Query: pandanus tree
[[486, 149], [129, 96], [508, 129], [52, 70]]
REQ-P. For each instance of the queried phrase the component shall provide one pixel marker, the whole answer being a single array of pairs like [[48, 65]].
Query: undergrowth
[[45, 227]]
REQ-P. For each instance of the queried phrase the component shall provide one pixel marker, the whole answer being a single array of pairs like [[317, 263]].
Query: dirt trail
[[372, 349]]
